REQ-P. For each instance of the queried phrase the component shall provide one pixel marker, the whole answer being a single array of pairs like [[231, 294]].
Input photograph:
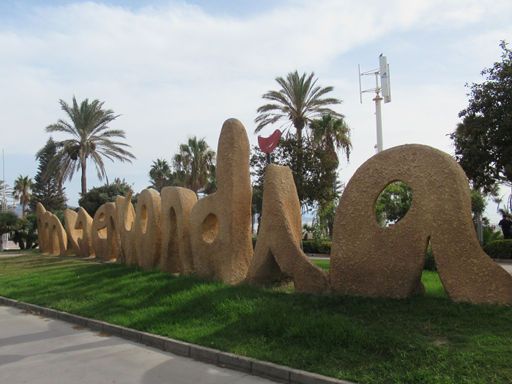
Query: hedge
[[316, 246], [499, 249]]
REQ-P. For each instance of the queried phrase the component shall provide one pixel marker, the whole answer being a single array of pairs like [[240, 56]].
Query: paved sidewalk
[[38, 350]]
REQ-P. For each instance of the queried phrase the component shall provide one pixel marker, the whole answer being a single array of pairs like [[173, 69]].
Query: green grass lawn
[[425, 339]]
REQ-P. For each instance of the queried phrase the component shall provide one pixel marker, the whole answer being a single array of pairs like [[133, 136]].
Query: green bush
[[25, 233], [316, 246], [96, 197], [499, 249]]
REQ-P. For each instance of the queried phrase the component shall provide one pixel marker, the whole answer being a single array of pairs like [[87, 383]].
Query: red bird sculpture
[[268, 144]]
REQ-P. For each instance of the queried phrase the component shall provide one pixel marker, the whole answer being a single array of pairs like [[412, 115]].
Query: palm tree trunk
[[84, 176], [300, 176], [23, 208]]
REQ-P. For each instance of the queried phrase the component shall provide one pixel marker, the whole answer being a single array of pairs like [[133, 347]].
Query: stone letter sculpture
[[79, 231], [56, 240], [220, 224], [42, 229], [147, 229], [105, 238], [70, 217], [125, 221], [278, 250], [176, 251], [368, 260]]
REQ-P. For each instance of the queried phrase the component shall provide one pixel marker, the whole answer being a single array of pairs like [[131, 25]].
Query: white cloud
[[174, 71]]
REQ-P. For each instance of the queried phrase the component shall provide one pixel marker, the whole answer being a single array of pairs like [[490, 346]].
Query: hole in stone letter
[[393, 203], [102, 233], [144, 219], [173, 245], [210, 228]]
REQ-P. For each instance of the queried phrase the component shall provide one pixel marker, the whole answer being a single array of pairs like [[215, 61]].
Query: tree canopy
[[98, 196], [318, 170], [161, 174], [22, 192], [47, 189], [393, 203], [483, 140], [194, 165], [297, 103], [8, 223], [91, 138]]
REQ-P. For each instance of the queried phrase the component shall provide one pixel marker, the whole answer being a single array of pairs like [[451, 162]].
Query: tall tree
[[97, 196], [47, 189], [91, 138], [8, 223], [318, 170], [194, 164], [333, 135], [393, 203], [22, 192], [483, 140], [160, 174], [298, 101]]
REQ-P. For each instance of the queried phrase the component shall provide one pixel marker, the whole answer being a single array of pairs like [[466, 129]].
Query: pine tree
[[46, 189]]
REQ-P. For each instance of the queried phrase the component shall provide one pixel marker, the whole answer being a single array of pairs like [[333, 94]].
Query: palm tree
[[194, 164], [91, 138], [21, 191], [299, 101], [160, 174], [332, 134]]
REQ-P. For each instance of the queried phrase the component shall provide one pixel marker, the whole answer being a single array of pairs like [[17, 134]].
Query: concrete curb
[[255, 367]]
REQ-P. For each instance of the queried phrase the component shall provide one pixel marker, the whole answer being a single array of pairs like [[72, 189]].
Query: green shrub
[[96, 197], [499, 249], [316, 246], [25, 233], [491, 234]]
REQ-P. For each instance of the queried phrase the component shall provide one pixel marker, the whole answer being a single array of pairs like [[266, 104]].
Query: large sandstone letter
[[176, 252], [220, 224], [368, 260], [278, 253], [147, 229], [105, 238], [57, 239], [79, 228], [42, 228], [125, 221], [70, 218]]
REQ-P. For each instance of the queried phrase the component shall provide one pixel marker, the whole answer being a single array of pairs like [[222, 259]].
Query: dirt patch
[[440, 341]]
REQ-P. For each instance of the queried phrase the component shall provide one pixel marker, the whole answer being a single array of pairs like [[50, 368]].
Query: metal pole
[[4, 185], [3, 240], [378, 117]]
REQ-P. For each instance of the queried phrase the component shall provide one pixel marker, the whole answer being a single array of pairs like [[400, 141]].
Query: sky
[[176, 69]]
